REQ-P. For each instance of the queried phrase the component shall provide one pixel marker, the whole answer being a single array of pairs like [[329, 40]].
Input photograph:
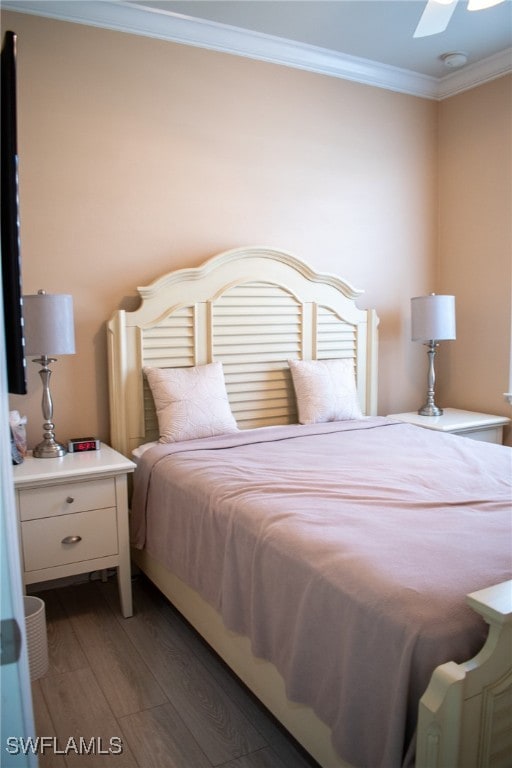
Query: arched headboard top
[[251, 308], [238, 262]]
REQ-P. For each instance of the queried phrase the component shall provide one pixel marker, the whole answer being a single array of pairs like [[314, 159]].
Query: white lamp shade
[[48, 321], [433, 318]]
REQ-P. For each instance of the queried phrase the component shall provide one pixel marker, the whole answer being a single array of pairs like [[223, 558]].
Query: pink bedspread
[[344, 551]]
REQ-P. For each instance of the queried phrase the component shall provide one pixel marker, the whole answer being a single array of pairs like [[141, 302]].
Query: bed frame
[[253, 309]]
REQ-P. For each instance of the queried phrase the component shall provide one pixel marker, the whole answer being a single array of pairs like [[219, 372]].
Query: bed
[[266, 490]]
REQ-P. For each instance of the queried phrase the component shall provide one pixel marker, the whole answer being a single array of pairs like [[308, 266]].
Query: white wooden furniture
[[253, 309], [464, 717], [73, 517], [477, 426]]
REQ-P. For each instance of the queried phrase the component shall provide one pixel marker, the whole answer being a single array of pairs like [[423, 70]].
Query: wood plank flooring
[[145, 692]]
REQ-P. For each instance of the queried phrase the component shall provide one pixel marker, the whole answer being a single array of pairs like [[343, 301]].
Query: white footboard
[[465, 715]]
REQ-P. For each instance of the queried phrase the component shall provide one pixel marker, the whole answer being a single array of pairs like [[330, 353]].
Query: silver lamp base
[[430, 410], [49, 449]]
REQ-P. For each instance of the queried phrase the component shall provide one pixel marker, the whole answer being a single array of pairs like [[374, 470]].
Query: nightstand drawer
[[489, 435], [66, 498], [69, 538]]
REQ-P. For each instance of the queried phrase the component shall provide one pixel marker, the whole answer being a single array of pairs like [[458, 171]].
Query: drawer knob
[[71, 539], [69, 500]]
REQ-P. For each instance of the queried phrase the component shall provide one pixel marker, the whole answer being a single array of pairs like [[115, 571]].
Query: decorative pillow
[[190, 402], [325, 390]]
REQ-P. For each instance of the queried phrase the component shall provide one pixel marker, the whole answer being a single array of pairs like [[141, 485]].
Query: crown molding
[[475, 74], [129, 17]]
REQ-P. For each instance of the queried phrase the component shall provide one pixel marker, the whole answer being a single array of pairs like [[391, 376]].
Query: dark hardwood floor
[[144, 692]]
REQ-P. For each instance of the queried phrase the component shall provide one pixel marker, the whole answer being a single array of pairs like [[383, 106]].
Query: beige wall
[[139, 156], [475, 243]]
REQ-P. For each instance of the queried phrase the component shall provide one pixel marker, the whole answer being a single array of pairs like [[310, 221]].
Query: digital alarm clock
[[80, 444]]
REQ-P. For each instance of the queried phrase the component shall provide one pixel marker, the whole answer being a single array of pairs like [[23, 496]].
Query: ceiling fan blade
[[435, 17], [479, 5]]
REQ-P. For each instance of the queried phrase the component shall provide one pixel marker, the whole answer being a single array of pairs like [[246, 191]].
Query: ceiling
[[366, 40], [380, 30]]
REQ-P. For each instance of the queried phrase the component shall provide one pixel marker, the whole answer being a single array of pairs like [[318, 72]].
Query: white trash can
[[37, 639]]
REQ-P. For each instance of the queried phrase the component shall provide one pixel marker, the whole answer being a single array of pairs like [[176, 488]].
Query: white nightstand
[[73, 517], [478, 426]]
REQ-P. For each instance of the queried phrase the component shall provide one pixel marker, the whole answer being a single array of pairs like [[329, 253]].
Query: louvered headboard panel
[[257, 328], [169, 344], [253, 309]]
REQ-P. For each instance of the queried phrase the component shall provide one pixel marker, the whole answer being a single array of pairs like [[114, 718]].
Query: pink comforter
[[344, 551]]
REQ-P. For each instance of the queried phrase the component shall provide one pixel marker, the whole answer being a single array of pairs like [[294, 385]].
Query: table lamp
[[49, 330], [432, 321]]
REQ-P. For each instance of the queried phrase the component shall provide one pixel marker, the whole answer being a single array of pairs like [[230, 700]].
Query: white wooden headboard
[[251, 308]]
